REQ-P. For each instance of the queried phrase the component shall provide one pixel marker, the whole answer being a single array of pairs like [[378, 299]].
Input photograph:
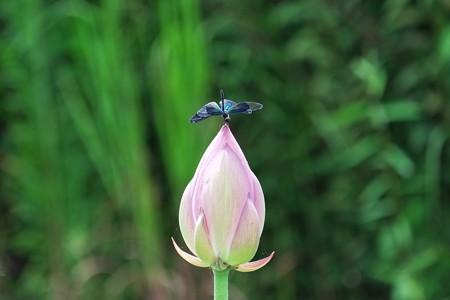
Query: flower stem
[[221, 284]]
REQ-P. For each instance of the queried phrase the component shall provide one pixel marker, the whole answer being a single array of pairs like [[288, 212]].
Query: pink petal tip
[[193, 260], [255, 265]]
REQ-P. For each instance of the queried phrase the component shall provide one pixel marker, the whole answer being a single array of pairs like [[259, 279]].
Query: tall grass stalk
[[179, 70]]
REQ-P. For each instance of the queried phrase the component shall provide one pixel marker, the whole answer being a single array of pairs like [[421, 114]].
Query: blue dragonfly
[[226, 108]]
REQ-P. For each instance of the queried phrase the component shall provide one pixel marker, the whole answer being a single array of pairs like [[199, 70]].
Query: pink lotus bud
[[222, 209]]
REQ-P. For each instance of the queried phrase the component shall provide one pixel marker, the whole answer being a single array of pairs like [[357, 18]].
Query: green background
[[351, 148]]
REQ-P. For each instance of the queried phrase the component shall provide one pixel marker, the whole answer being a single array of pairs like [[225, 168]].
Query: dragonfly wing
[[245, 107], [208, 110], [254, 105], [227, 104], [213, 109]]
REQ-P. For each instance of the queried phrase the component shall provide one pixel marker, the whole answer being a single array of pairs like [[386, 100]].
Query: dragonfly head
[[226, 118]]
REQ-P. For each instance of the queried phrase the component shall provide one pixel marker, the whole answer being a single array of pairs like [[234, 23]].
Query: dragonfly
[[224, 109]]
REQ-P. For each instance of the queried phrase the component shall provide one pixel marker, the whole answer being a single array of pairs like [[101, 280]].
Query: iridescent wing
[[208, 110], [227, 104], [244, 107]]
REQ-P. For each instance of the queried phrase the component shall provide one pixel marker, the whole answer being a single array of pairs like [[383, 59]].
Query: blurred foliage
[[351, 147]]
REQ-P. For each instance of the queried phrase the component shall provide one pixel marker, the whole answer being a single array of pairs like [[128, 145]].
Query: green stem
[[221, 284]]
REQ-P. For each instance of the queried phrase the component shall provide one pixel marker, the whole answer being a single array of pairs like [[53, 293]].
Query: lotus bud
[[222, 210]]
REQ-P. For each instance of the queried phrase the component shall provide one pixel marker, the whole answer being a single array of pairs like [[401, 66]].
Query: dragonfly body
[[226, 108]]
